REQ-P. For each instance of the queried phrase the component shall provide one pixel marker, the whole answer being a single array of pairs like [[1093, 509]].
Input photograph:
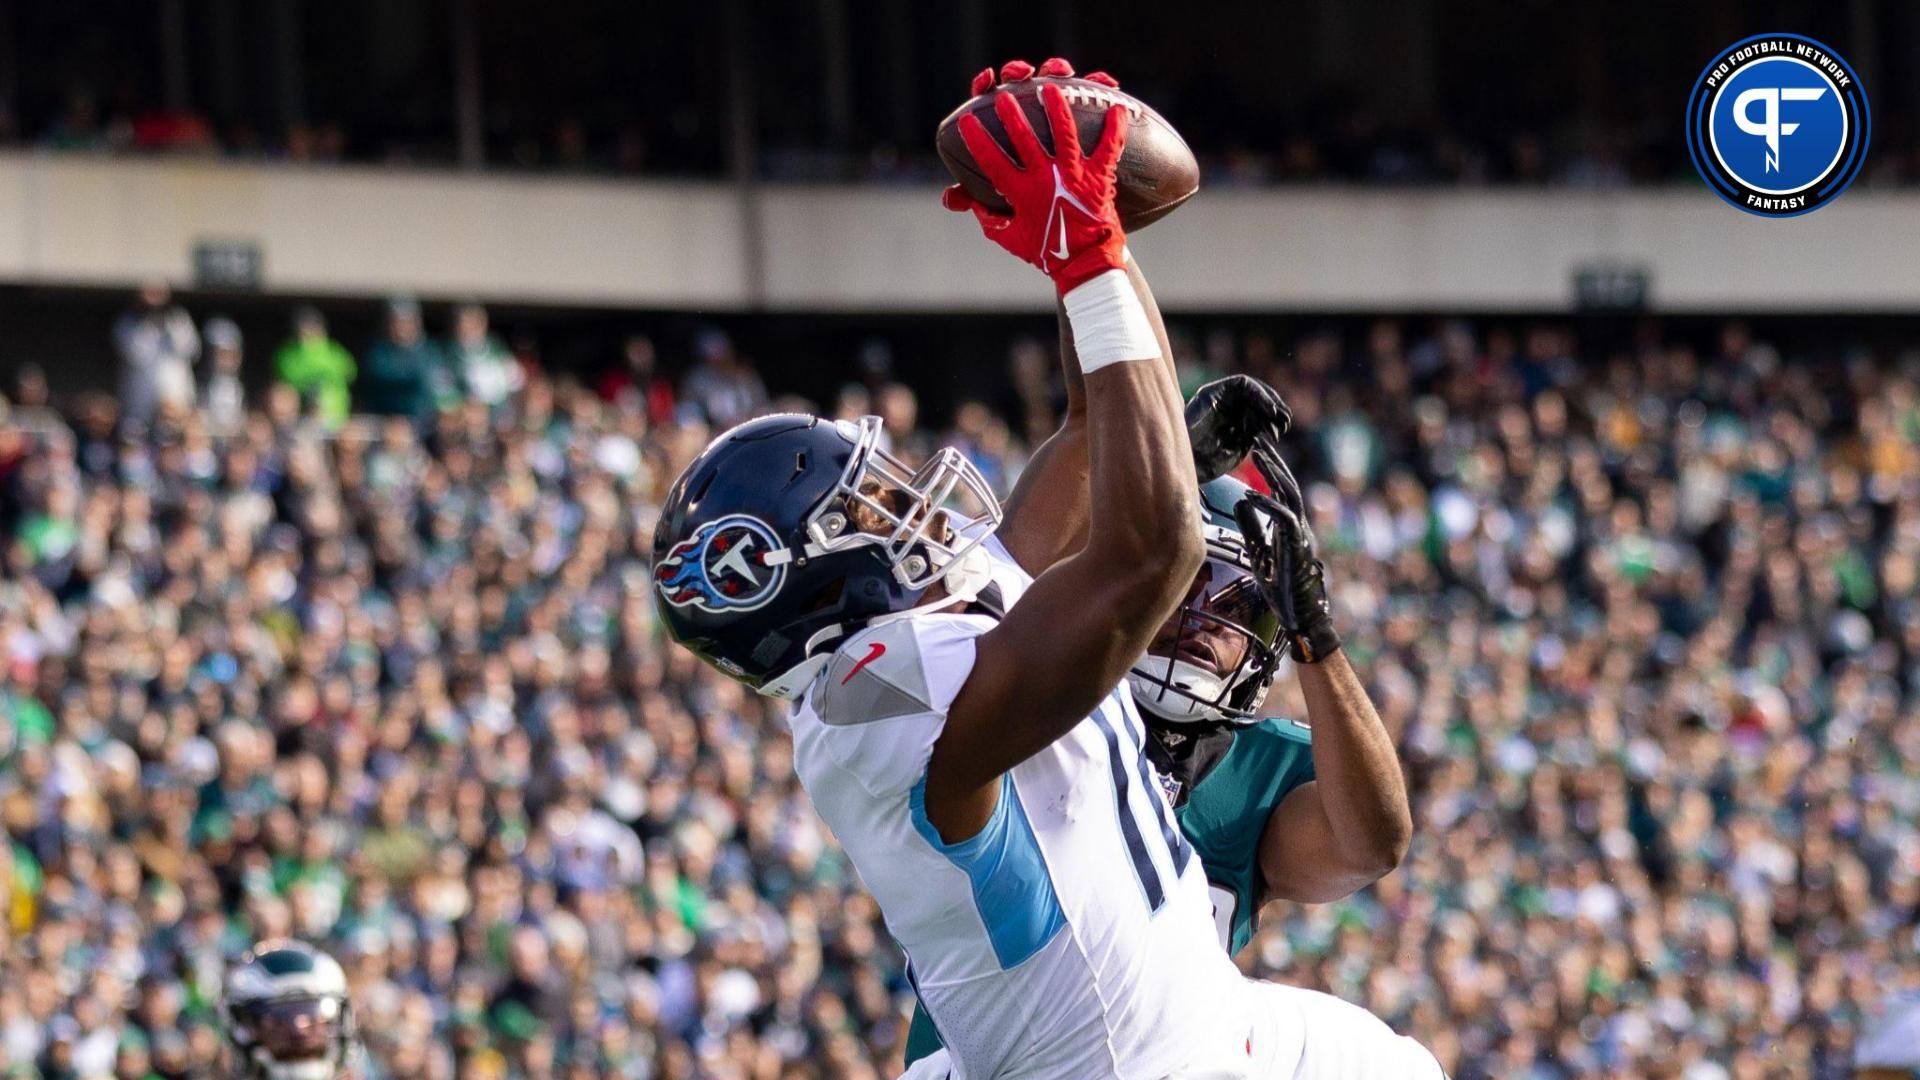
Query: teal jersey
[[1224, 817], [1226, 814]]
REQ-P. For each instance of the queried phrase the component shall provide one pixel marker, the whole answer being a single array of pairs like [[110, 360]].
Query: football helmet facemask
[[286, 1014], [1214, 658]]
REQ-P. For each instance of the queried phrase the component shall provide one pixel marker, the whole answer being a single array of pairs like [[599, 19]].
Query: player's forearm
[[1141, 469], [1046, 513], [1142, 551], [1358, 772], [1075, 419], [1351, 825], [1075, 379], [1145, 292], [1070, 358]]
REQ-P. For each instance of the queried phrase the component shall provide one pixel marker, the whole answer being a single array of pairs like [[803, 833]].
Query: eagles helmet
[[790, 532], [286, 1013], [1214, 658]]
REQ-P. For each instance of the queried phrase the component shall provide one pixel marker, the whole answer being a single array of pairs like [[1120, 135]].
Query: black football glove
[[1227, 416], [1286, 563]]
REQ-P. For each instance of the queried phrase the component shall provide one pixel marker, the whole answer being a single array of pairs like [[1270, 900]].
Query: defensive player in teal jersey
[[1277, 809]]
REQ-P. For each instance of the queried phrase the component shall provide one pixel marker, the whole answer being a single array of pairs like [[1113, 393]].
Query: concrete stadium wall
[[363, 231]]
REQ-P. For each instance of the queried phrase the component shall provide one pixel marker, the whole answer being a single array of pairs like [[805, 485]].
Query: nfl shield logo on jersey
[[1169, 788]]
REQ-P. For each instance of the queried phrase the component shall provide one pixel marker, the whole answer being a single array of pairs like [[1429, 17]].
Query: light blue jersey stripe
[[1011, 887]]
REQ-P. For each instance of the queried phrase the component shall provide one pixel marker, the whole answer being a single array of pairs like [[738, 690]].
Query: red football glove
[[1063, 218], [1020, 70]]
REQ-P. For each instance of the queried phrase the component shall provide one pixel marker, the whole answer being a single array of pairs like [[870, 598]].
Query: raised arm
[[1351, 826], [1082, 623], [1046, 514]]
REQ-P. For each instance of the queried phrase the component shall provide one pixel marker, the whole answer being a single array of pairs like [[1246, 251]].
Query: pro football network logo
[[722, 567], [1778, 125]]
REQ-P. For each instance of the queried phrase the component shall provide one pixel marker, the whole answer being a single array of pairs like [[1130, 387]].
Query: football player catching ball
[[962, 723], [1244, 787]]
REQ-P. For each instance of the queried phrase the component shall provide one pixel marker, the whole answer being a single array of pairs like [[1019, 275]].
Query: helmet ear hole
[[826, 596]]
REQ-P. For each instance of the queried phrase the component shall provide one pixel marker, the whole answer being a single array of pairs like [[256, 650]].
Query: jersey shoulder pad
[[1298, 731], [898, 668], [1277, 752]]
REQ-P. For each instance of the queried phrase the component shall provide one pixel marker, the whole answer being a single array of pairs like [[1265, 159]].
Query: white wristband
[[1109, 324]]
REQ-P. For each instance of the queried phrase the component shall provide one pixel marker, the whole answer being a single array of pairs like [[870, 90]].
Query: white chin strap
[[971, 573], [1157, 682], [963, 579]]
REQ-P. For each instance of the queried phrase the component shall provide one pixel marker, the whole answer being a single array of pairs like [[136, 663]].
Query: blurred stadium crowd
[[1469, 92], [1342, 144], [372, 660]]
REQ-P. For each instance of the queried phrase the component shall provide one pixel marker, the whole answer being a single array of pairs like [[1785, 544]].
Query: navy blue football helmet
[[790, 532]]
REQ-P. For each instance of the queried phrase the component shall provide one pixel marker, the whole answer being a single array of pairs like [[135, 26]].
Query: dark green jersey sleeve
[[1227, 811], [1224, 817], [922, 1039]]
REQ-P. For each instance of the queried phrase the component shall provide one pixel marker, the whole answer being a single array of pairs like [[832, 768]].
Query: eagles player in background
[[1277, 809], [1244, 787], [285, 1009]]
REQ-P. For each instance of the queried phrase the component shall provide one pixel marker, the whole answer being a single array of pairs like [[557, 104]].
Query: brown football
[[1157, 172]]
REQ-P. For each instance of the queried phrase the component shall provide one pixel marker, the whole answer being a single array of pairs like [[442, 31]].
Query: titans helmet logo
[[722, 567]]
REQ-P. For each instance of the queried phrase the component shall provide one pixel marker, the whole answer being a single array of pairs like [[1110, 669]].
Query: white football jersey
[[1073, 937]]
